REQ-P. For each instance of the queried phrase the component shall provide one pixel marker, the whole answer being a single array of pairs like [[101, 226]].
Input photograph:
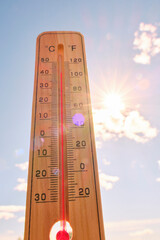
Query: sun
[[114, 102]]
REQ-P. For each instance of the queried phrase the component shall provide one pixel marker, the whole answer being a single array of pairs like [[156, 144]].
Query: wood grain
[[83, 208]]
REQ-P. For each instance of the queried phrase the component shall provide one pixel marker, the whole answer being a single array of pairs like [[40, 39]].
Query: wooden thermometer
[[63, 197]]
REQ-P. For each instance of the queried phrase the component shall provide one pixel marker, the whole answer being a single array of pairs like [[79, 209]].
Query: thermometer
[[63, 196]]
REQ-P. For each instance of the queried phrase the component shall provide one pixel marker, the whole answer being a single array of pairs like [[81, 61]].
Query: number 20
[[85, 191]]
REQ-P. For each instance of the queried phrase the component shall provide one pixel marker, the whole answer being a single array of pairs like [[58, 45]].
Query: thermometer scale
[[63, 196]]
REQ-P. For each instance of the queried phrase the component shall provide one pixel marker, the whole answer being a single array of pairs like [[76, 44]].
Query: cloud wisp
[[143, 232], [137, 229], [146, 40], [8, 211], [22, 166], [22, 186], [106, 181], [21, 219]]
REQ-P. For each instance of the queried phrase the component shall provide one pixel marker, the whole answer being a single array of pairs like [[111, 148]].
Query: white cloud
[[156, 49], [142, 58], [147, 27], [137, 128], [147, 42], [143, 42], [21, 219], [6, 215], [8, 211], [11, 208], [22, 166], [107, 182], [22, 186], [136, 229], [141, 233], [158, 179], [128, 124], [8, 236]]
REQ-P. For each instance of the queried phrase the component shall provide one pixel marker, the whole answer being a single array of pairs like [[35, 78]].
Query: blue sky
[[123, 54]]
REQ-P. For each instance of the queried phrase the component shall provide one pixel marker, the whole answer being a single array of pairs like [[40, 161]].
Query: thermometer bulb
[[62, 235]]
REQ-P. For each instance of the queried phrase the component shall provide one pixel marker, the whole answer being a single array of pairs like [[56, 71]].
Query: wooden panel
[[63, 175]]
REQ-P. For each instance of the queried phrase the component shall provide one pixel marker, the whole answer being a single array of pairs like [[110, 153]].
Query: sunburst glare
[[114, 102]]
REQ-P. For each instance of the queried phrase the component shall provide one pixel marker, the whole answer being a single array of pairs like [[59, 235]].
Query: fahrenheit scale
[[63, 196]]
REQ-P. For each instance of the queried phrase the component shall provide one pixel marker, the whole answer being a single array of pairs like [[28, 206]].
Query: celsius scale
[[63, 196]]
